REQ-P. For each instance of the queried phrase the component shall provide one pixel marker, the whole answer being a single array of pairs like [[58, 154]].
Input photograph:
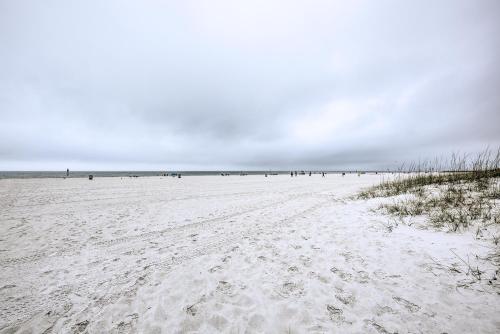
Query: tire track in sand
[[142, 236], [59, 300]]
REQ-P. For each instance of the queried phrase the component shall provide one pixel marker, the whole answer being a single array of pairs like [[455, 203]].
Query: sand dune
[[235, 254]]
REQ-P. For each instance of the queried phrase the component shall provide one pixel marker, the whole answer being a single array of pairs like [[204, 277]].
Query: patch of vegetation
[[464, 194], [477, 172], [461, 193]]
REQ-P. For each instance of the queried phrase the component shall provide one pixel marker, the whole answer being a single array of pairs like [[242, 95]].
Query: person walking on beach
[[291, 174], [67, 172]]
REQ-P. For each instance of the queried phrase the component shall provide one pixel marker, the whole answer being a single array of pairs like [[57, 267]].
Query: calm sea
[[52, 174]]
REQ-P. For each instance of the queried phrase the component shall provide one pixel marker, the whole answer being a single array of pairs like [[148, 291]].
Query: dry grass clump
[[478, 171], [458, 194], [455, 206]]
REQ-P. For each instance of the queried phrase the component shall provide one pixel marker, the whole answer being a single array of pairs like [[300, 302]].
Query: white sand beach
[[234, 254]]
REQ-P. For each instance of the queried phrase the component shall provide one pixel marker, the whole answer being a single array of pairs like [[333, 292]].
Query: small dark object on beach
[[91, 177], [179, 176]]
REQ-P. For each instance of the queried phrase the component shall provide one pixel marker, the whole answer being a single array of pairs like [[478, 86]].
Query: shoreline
[[100, 174]]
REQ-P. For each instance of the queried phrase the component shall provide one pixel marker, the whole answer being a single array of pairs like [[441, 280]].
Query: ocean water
[[73, 174]]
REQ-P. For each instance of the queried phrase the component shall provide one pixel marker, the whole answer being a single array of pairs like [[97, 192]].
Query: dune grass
[[460, 195], [457, 194]]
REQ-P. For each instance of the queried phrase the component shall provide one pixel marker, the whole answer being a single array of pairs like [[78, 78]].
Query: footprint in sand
[[225, 288], [336, 314], [346, 277], [407, 304], [362, 277], [193, 309], [80, 327], [379, 328], [214, 269], [127, 326], [381, 310], [345, 297], [291, 289], [319, 277], [347, 256]]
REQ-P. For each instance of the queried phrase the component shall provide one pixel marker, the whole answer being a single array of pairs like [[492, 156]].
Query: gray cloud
[[264, 84]]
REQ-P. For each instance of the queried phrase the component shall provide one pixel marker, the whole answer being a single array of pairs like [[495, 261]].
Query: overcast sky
[[155, 85]]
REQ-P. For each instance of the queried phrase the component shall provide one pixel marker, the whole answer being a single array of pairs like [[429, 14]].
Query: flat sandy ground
[[229, 254]]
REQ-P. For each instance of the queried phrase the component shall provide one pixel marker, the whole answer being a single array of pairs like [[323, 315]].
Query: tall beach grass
[[457, 193]]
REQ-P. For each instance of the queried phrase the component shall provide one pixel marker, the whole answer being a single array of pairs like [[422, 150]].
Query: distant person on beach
[[322, 174], [67, 172], [291, 174]]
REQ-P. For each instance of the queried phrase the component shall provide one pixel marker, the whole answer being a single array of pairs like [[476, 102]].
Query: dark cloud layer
[[260, 84]]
